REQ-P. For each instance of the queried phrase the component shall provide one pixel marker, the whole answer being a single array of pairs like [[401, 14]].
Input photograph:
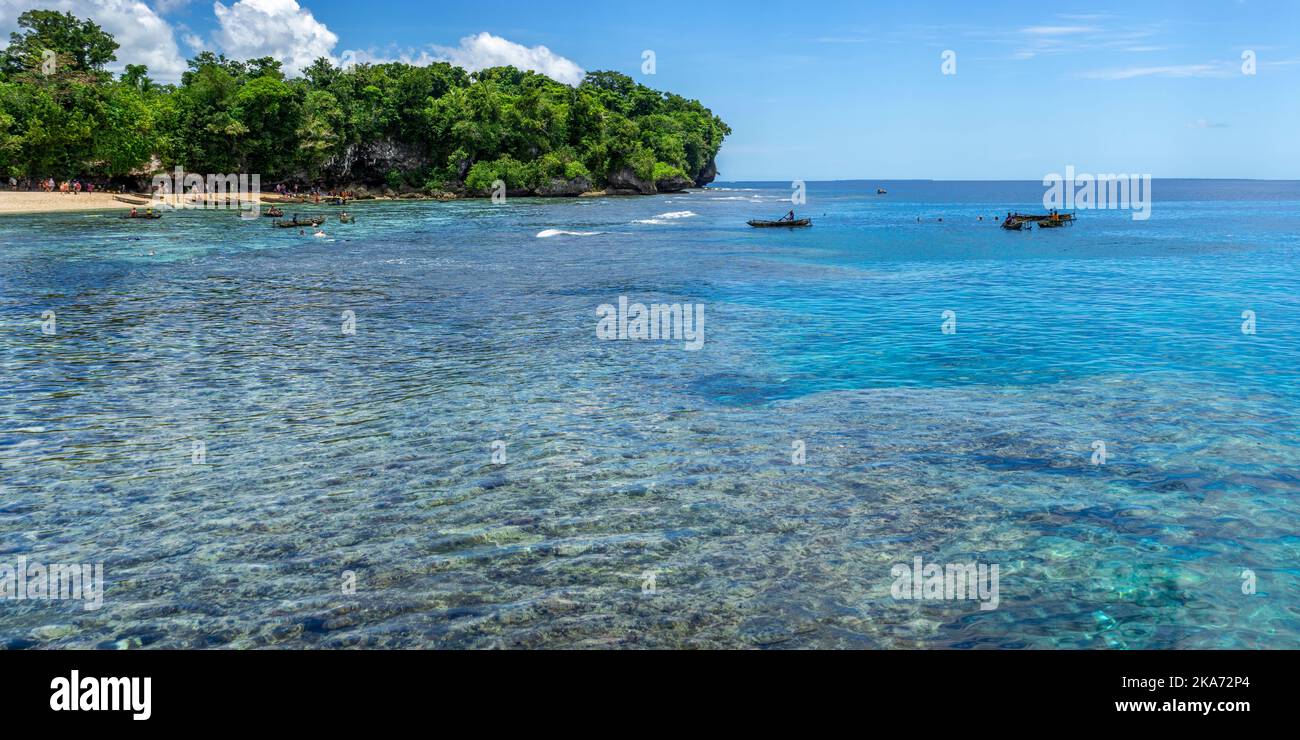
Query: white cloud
[[1056, 30], [276, 28], [283, 29], [143, 36], [169, 6], [485, 50], [1173, 70], [370, 56]]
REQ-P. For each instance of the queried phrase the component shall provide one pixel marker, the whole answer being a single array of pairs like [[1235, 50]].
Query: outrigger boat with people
[[787, 221], [347, 218], [148, 213], [296, 224], [273, 212], [1051, 220]]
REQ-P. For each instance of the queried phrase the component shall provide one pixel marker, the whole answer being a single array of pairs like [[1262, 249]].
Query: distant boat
[[786, 223], [1015, 221], [299, 224], [881, 191]]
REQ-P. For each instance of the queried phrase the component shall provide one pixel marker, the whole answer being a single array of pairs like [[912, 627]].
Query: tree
[[389, 123], [81, 44]]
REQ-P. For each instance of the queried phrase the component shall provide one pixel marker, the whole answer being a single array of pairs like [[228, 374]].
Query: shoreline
[[28, 203]]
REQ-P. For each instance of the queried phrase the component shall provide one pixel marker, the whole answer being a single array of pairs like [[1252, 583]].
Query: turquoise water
[[371, 454]]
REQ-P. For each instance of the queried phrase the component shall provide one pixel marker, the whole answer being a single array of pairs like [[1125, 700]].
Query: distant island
[[388, 129]]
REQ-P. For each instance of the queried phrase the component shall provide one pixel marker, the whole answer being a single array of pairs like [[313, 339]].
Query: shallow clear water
[[371, 453]]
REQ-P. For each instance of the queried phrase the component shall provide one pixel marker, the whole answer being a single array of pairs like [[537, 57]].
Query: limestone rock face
[[561, 188], [625, 181], [708, 174], [674, 184], [372, 161]]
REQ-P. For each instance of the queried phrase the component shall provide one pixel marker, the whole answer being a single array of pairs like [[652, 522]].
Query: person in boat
[[788, 217]]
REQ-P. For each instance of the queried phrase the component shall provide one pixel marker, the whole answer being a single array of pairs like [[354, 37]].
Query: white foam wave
[[667, 218], [548, 233]]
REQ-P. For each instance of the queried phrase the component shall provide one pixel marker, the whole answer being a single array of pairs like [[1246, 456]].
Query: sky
[[835, 89]]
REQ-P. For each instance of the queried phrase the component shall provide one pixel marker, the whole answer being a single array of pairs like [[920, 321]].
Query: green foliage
[[665, 171], [395, 124], [81, 46]]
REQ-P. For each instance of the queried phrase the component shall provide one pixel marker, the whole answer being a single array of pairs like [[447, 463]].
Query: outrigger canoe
[[789, 224], [273, 212], [143, 215], [1016, 221], [300, 224]]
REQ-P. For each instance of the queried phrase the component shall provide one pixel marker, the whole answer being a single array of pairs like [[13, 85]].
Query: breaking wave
[[548, 233], [667, 218]]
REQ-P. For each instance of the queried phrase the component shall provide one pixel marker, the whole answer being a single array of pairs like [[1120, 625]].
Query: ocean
[[410, 432]]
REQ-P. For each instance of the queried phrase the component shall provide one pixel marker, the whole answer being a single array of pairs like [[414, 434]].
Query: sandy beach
[[26, 202], [17, 203]]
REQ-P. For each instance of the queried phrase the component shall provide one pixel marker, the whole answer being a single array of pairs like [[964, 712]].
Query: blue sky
[[840, 89]]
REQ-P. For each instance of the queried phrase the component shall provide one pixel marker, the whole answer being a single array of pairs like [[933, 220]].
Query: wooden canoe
[[780, 224], [300, 224]]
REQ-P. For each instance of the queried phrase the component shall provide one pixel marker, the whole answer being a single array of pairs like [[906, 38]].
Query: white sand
[[23, 202]]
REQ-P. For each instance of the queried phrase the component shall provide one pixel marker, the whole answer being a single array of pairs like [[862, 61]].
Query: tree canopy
[[431, 127]]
